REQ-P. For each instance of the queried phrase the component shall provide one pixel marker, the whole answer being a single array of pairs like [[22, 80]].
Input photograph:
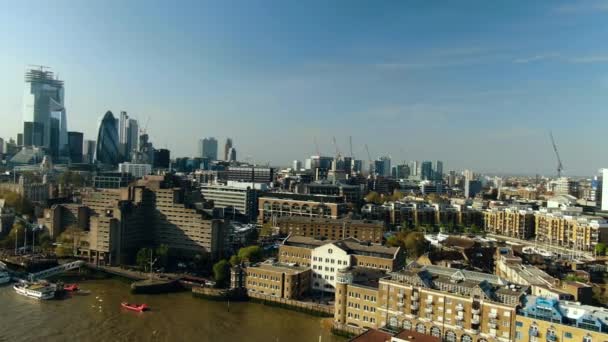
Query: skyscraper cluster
[[207, 149]]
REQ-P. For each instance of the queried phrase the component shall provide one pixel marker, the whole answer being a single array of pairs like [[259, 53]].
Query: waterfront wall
[[307, 307]]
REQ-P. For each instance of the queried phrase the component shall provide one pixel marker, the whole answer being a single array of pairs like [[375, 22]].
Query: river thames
[[173, 317]]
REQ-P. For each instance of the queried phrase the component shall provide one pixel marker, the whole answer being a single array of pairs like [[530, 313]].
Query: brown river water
[[173, 317]]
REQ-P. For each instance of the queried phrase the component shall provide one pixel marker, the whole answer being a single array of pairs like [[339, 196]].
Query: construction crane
[[336, 147], [560, 166], [317, 146], [369, 160], [350, 143]]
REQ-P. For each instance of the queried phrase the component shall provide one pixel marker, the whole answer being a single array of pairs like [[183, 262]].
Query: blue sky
[[478, 84]]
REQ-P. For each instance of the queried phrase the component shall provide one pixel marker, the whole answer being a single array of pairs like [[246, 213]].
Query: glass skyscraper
[[44, 115], [108, 151]]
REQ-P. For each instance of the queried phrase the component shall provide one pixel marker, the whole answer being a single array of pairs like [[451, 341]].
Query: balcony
[[460, 318], [493, 325], [459, 307], [415, 306], [475, 311], [475, 320], [428, 310], [552, 337], [533, 332], [400, 304], [429, 301], [415, 296], [400, 295], [493, 314]]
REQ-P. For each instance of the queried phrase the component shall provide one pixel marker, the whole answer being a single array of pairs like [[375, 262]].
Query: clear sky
[[478, 84]]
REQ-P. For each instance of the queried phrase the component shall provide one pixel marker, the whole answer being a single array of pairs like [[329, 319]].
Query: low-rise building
[[326, 257], [238, 201], [276, 205], [136, 170], [278, 279], [364, 230]]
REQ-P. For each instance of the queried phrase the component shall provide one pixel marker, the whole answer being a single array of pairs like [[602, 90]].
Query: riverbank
[[173, 317]]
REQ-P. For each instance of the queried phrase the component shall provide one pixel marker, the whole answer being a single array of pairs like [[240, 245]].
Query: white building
[[603, 189], [326, 260], [136, 170]]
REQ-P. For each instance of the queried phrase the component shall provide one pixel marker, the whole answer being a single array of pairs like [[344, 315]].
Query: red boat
[[71, 287], [134, 307]]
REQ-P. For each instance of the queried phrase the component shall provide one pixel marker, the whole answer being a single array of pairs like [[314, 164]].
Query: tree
[[373, 197], [16, 233], [142, 259], [221, 273], [397, 195], [600, 248], [415, 244], [235, 260], [202, 263], [474, 229], [21, 205], [162, 253], [252, 254], [393, 241]]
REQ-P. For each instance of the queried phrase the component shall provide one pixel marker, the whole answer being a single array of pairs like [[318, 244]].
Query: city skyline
[[475, 99]]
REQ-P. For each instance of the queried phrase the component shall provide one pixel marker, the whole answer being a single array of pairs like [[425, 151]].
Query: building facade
[[512, 222], [277, 280], [577, 232], [108, 148], [276, 205], [334, 229], [451, 304]]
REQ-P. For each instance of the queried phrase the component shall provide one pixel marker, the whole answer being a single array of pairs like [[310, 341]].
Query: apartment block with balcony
[[512, 222], [577, 232], [552, 320], [364, 230], [451, 304]]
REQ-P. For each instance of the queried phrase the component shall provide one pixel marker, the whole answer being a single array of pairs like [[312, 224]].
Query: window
[[330, 251], [519, 324], [587, 338], [518, 335], [568, 335]]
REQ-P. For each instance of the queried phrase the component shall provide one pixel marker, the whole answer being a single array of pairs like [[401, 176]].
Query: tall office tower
[[356, 166], [1, 146], [414, 168], [297, 165], [382, 166], [20, 139], [107, 151], [122, 127], [44, 114], [426, 170], [468, 174], [452, 178], [132, 137], [88, 151], [123, 120], [602, 190], [162, 158], [232, 154], [438, 170], [207, 148], [227, 148], [75, 140]]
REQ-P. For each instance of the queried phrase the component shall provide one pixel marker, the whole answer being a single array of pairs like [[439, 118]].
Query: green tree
[[252, 254], [235, 260], [142, 259], [397, 195], [16, 233], [374, 197], [474, 229], [600, 248], [393, 241], [415, 244], [21, 205], [221, 273], [162, 253]]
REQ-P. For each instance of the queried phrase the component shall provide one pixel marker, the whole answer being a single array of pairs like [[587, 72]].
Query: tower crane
[[350, 143], [560, 166], [369, 160]]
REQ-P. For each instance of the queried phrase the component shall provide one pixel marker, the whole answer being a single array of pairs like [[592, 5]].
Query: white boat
[[4, 277], [40, 290]]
